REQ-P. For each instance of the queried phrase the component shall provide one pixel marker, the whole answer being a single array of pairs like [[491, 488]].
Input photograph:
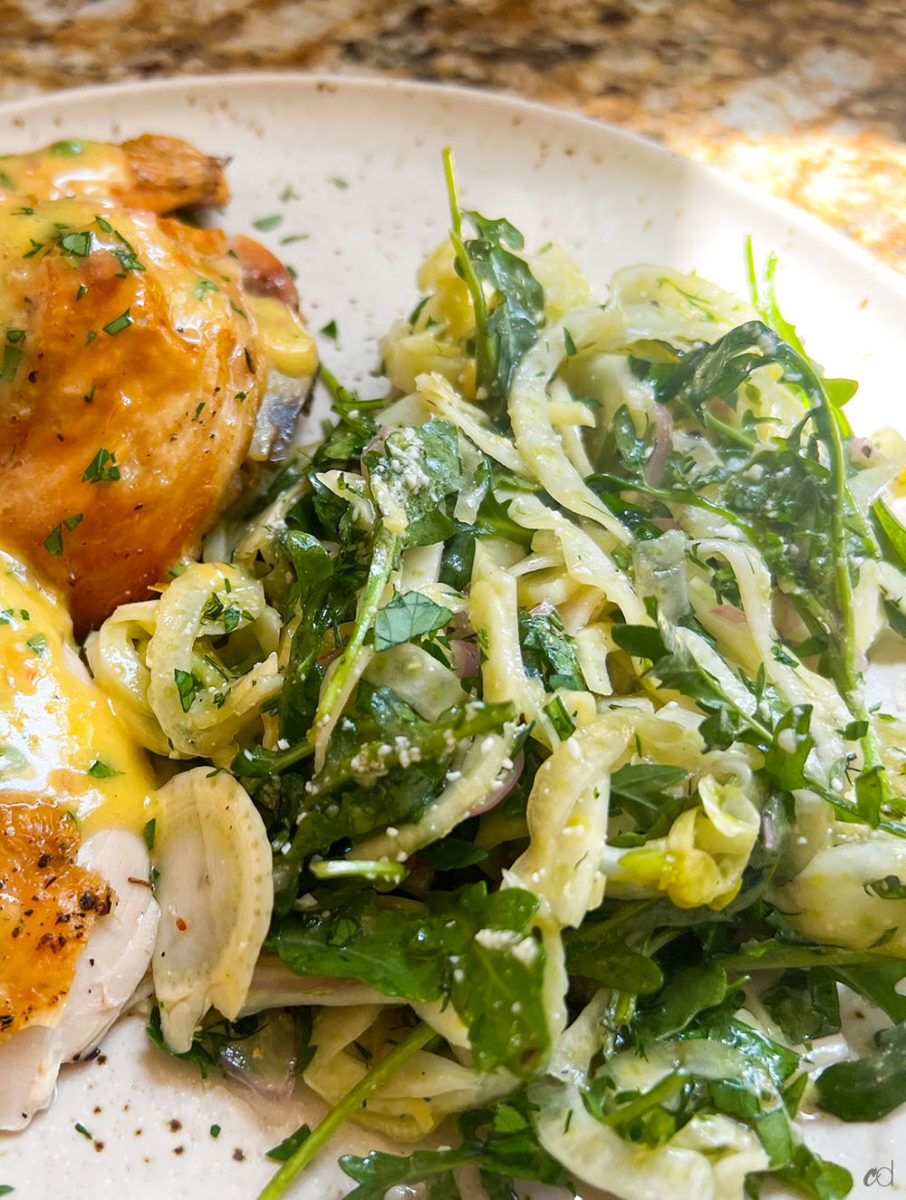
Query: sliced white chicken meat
[[109, 970]]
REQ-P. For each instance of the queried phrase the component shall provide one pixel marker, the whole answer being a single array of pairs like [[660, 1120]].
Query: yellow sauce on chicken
[[60, 740]]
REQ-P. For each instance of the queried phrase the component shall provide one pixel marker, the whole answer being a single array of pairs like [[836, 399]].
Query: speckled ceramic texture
[[353, 169]]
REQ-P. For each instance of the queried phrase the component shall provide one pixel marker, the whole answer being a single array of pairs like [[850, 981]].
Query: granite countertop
[[804, 97]]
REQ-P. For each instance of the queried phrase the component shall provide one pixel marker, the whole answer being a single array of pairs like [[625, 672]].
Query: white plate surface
[[363, 159]]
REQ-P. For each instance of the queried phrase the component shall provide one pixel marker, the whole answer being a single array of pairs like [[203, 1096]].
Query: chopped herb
[[102, 770], [67, 149], [198, 409], [12, 356], [330, 330], [267, 223], [214, 1131], [148, 831], [38, 643], [80, 1128], [569, 343], [123, 321], [89, 399], [102, 468], [289, 238], [76, 243], [236, 309], [204, 286], [35, 247], [339, 182], [82, 289], [187, 686], [6, 182], [240, 396], [53, 543], [90, 336], [104, 224], [289, 193]]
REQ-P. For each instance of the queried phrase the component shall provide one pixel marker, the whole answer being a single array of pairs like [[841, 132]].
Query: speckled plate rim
[[562, 175], [12, 110]]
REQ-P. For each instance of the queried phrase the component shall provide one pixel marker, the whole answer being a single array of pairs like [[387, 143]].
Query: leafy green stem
[[386, 548], [346, 1109]]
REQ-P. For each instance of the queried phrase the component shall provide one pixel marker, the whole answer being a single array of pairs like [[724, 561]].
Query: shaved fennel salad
[[529, 782]]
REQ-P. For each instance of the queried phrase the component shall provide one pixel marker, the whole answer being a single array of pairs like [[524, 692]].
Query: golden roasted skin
[[134, 355]]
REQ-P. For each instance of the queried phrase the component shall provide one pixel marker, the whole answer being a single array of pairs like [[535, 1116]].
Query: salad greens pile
[[578, 805]]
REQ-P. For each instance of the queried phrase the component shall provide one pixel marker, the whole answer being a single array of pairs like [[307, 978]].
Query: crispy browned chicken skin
[[135, 351]]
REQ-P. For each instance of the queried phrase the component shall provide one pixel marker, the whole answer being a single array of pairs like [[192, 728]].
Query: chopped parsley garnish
[[187, 686], [12, 355], [198, 411], [204, 286], [83, 288], [76, 243], [38, 643], [80, 1128], [64, 149], [104, 224], [53, 543], [90, 336], [6, 182], [236, 309], [215, 1131], [339, 182], [330, 330], [102, 770], [267, 223], [35, 247], [102, 468], [123, 321], [148, 831], [289, 193], [288, 238]]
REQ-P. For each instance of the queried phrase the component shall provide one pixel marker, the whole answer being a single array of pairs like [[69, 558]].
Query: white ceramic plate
[[363, 161]]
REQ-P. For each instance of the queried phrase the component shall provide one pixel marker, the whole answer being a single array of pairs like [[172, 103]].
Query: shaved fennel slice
[[473, 787], [537, 441], [571, 794], [592, 1152], [215, 895]]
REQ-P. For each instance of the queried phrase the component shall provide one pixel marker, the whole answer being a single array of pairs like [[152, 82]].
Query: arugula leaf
[[867, 1088], [507, 323], [475, 947], [548, 652], [407, 616], [685, 995], [609, 961], [499, 1140], [804, 1004], [808, 1173]]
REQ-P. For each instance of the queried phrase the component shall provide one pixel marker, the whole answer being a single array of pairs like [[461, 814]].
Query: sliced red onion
[[504, 787], [466, 657], [663, 444], [376, 443], [729, 613], [544, 609], [266, 1060]]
